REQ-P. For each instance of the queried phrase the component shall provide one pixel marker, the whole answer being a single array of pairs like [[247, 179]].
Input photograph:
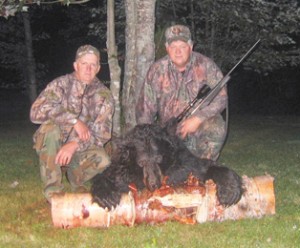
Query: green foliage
[[11, 7], [225, 29], [57, 31], [222, 30], [255, 146], [12, 57]]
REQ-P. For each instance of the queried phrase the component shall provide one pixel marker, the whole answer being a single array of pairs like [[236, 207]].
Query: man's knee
[[47, 137], [209, 139], [92, 162]]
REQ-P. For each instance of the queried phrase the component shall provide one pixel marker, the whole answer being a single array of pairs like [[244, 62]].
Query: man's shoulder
[[58, 82], [98, 84], [101, 89], [160, 63], [202, 60], [163, 59]]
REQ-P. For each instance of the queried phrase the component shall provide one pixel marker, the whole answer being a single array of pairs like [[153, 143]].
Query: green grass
[[255, 146]]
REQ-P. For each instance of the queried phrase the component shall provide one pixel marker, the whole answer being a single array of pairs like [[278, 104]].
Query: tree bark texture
[[140, 53], [30, 65], [114, 68], [189, 204]]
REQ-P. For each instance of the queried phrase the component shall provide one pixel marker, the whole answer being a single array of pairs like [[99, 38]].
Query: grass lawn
[[255, 146]]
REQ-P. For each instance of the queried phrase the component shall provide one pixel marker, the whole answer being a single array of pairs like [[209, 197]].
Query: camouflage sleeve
[[146, 107], [101, 126], [55, 104], [219, 103]]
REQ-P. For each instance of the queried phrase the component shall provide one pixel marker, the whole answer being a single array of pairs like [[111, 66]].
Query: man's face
[[179, 52], [86, 68]]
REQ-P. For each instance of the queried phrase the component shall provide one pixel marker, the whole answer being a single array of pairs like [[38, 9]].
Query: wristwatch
[[74, 121]]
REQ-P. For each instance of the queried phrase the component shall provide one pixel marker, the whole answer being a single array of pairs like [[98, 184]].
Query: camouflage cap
[[87, 49], [178, 32]]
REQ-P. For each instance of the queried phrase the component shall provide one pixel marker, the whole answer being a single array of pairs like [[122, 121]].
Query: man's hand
[[189, 125], [66, 153], [82, 130]]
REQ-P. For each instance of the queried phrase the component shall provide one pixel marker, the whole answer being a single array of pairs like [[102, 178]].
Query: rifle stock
[[206, 95]]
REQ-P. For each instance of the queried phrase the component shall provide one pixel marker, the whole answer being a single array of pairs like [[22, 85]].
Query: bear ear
[[125, 154]]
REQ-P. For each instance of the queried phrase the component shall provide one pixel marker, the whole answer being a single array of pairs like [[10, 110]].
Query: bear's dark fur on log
[[148, 153]]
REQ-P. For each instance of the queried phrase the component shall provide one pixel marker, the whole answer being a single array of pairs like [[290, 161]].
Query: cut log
[[190, 204], [258, 200], [75, 210]]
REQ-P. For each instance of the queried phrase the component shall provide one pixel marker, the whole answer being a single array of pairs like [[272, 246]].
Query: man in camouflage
[[75, 112], [173, 82]]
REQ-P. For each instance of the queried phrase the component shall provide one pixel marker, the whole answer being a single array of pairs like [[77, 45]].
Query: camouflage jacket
[[66, 98], [166, 91]]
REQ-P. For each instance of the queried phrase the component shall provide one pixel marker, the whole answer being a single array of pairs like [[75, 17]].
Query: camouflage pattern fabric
[[63, 100], [208, 141], [83, 166], [178, 32], [166, 92], [87, 49]]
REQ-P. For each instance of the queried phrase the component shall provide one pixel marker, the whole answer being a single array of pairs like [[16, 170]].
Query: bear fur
[[148, 153]]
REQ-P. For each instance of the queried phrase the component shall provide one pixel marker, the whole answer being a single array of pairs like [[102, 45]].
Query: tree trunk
[[114, 68], [30, 65], [188, 204], [193, 30], [213, 32], [140, 53]]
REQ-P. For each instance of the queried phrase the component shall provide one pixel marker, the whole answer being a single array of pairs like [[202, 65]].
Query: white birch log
[[189, 204]]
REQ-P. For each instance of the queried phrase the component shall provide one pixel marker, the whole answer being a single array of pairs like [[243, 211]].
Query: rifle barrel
[[207, 96], [244, 57]]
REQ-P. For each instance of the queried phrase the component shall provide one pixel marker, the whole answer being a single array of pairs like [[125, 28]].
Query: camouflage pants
[[208, 141], [83, 166]]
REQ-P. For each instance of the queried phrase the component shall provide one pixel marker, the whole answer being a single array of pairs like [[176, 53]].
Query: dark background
[[57, 34]]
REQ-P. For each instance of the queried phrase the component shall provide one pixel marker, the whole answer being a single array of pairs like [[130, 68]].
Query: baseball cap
[[87, 49], [177, 32]]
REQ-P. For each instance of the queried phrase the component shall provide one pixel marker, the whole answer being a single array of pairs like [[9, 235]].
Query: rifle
[[206, 94]]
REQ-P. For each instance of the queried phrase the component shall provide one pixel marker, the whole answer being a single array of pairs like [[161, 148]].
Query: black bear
[[148, 153]]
